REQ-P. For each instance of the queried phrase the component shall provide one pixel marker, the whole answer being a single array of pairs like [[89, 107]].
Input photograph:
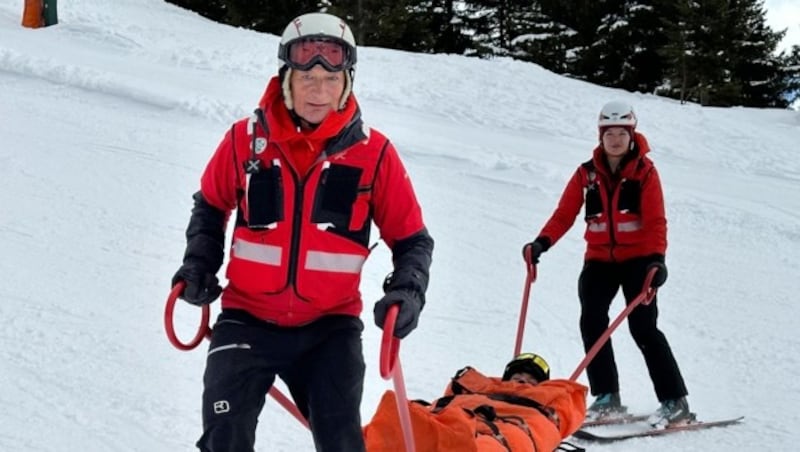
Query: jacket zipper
[[610, 208], [223, 348], [297, 218], [297, 227]]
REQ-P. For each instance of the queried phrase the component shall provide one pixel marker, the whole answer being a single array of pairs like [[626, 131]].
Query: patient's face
[[524, 377]]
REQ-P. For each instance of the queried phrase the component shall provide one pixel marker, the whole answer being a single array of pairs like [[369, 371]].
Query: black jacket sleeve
[[412, 262], [205, 236]]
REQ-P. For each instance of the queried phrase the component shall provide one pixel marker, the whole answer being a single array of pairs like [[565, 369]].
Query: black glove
[[537, 247], [202, 287], [661, 274], [410, 303]]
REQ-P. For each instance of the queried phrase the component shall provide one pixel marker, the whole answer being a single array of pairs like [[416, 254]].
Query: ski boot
[[671, 413], [605, 406]]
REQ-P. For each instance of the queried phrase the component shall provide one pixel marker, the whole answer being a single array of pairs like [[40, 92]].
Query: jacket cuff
[[544, 242]]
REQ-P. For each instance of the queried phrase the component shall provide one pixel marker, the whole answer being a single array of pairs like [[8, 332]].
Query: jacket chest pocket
[[630, 196], [264, 193], [335, 199], [593, 207]]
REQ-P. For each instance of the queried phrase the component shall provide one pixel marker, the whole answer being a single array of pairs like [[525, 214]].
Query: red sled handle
[[390, 368], [203, 331], [526, 295], [390, 345], [645, 297]]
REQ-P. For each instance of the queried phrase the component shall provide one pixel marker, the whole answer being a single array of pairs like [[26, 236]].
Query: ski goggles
[[303, 54]]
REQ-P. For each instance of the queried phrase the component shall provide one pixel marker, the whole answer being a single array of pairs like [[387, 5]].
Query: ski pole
[[390, 367], [204, 331], [645, 297], [523, 312]]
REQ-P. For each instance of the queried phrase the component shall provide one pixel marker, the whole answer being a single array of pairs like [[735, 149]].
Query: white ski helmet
[[317, 27], [616, 114]]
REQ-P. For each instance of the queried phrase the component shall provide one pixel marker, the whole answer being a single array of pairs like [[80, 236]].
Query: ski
[[616, 420], [611, 437]]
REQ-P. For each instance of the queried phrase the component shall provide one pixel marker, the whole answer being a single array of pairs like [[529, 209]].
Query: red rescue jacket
[[624, 213], [301, 240]]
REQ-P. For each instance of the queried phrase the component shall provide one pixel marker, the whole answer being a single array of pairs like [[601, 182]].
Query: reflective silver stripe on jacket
[[629, 226], [257, 252], [598, 227], [334, 262]]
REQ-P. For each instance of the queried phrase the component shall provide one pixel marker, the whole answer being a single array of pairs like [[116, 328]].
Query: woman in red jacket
[[306, 178], [626, 235]]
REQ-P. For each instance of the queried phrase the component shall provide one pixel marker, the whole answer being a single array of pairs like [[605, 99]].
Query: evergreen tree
[[791, 76], [268, 16], [538, 38], [756, 69], [675, 52], [643, 67], [381, 24], [485, 21], [695, 52], [583, 18], [447, 27], [414, 25], [610, 47], [722, 53]]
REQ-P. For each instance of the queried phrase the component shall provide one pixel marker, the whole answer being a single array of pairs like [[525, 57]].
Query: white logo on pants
[[221, 406]]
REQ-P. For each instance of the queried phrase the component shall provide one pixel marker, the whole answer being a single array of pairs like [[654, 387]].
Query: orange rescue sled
[[483, 414]]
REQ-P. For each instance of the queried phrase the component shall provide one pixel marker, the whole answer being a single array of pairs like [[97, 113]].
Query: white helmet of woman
[[317, 38], [618, 114]]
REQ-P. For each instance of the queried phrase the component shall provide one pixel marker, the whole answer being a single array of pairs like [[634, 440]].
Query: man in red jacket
[[306, 178], [626, 236]]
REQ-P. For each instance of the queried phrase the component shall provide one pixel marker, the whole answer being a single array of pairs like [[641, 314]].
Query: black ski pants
[[321, 363], [598, 284]]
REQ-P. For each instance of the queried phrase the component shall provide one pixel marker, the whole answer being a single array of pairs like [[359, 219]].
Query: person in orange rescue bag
[[626, 236], [522, 411], [306, 178]]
